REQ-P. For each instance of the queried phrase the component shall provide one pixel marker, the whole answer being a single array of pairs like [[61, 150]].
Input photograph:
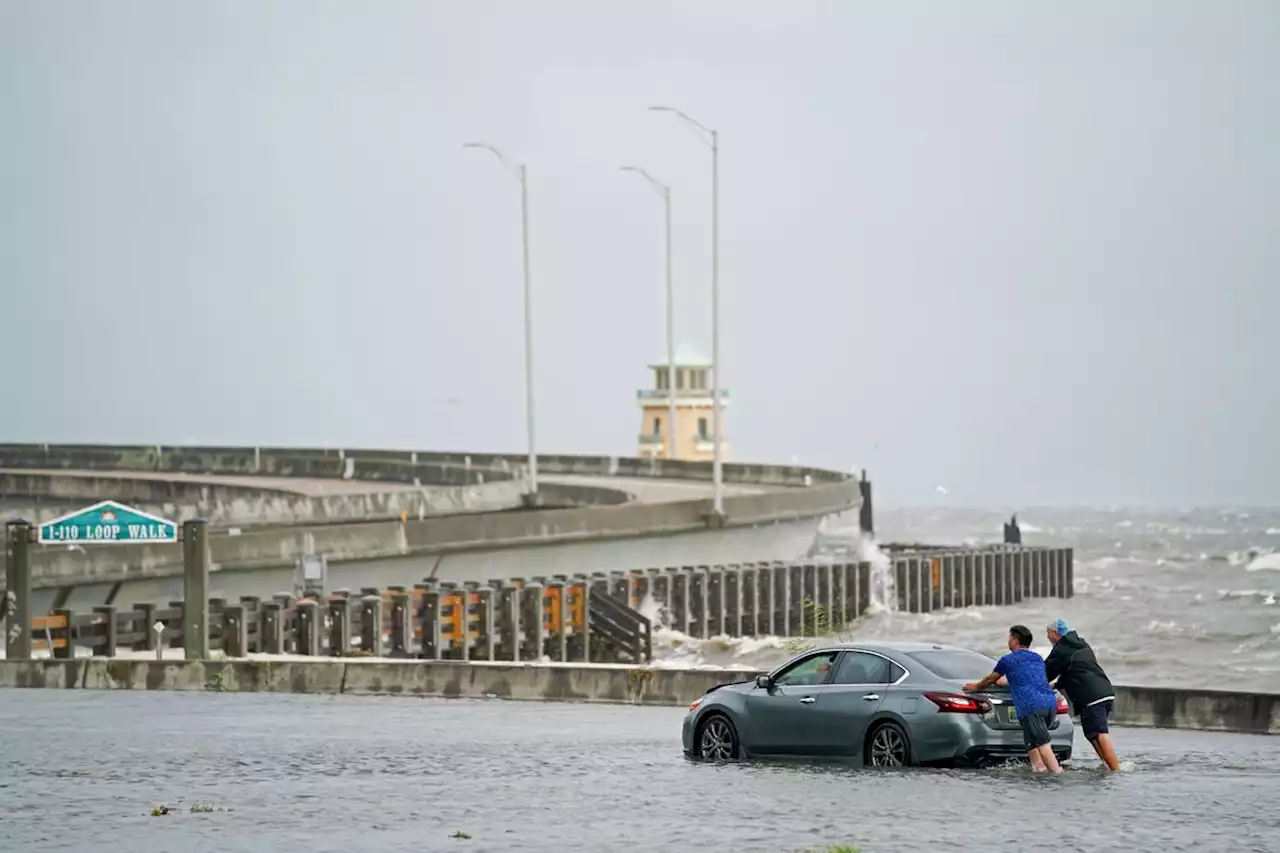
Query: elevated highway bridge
[[385, 517]]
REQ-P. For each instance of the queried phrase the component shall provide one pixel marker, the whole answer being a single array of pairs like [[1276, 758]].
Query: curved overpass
[[385, 517]]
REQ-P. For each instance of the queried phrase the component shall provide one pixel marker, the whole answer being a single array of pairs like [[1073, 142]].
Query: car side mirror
[[763, 681]]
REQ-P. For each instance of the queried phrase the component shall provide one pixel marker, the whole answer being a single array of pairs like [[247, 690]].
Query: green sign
[[107, 523]]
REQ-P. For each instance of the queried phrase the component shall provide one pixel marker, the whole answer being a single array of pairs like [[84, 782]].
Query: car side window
[[862, 668], [809, 672]]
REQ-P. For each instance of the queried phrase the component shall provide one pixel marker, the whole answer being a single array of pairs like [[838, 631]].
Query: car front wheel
[[717, 739], [887, 746]]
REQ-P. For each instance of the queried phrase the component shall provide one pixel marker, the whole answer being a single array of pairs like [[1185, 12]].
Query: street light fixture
[[712, 138], [518, 170], [664, 192]]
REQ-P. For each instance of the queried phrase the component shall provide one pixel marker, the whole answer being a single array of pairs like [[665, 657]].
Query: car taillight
[[695, 703], [954, 703], [1062, 704]]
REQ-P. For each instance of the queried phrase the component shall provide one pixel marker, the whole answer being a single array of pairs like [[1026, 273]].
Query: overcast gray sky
[[1025, 251]]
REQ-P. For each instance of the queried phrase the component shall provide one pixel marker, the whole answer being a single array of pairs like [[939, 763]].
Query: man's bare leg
[[1102, 745], [1037, 763], [1050, 760]]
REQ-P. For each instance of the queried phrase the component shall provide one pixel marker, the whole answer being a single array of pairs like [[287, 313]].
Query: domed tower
[[691, 388]]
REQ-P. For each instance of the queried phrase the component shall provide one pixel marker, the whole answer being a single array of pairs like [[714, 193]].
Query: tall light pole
[[712, 138], [518, 170], [665, 192]]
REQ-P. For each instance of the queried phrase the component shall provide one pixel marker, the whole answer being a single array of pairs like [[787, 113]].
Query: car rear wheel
[[887, 746], [717, 739]]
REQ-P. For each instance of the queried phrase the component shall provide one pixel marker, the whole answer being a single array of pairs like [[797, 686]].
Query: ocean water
[[1165, 598]]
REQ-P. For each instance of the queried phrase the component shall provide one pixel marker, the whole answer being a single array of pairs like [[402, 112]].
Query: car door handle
[[871, 697], [808, 700]]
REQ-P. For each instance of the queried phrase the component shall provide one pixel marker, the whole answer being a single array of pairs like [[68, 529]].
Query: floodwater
[[81, 770]]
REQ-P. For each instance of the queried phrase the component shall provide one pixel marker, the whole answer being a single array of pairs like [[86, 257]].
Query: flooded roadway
[[82, 769]]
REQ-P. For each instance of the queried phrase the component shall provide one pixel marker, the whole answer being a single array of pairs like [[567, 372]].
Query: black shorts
[[1035, 727], [1093, 719]]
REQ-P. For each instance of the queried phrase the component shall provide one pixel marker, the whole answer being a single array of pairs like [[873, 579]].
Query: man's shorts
[[1093, 719], [1035, 727]]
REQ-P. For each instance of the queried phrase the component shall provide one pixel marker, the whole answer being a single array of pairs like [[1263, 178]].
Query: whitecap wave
[[1265, 596], [1264, 563]]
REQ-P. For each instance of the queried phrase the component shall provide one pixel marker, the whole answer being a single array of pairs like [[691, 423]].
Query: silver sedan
[[884, 704]]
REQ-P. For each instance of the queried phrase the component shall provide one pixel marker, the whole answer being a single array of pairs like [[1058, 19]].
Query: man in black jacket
[[1078, 675]]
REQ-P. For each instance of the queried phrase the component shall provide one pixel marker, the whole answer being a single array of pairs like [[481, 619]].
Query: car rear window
[[955, 663]]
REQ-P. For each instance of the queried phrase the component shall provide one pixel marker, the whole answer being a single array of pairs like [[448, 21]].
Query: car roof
[[901, 646]]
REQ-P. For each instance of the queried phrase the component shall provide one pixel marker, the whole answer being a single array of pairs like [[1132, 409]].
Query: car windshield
[[955, 663]]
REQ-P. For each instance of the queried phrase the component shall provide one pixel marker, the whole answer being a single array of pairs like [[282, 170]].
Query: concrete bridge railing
[[801, 493], [56, 478], [446, 483], [41, 497], [402, 466]]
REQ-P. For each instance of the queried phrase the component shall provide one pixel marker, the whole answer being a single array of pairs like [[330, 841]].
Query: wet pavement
[[81, 770]]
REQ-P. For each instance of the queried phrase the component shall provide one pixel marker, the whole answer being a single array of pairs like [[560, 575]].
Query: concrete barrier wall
[[246, 506], [429, 467], [1162, 707], [814, 493], [1212, 710], [77, 488]]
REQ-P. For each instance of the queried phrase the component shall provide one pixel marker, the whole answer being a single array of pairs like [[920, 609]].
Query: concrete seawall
[[1160, 707]]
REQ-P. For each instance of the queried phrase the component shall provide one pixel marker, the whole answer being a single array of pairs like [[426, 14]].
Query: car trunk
[[1001, 715]]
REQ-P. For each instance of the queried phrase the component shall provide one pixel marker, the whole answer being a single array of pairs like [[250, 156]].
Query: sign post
[[313, 571], [195, 589]]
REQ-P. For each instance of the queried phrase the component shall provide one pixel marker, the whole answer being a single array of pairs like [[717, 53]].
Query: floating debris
[[460, 834]]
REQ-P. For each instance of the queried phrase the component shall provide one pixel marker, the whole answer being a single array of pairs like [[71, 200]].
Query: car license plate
[[1013, 715]]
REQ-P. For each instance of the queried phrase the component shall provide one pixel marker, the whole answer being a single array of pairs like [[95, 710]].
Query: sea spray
[[882, 595], [654, 611]]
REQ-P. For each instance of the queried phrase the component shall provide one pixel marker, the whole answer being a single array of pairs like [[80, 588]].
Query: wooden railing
[[815, 598], [596, 618], [507, 620]]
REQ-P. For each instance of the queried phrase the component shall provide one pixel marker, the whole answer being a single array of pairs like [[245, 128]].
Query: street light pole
[[518, 170], [712, 139], [665, 192]]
